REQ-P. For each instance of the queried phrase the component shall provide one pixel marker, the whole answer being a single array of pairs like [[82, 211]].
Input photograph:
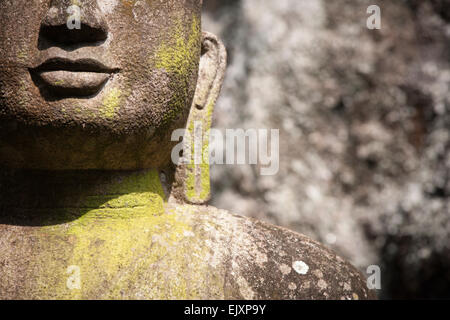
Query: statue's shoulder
[[261, 261]]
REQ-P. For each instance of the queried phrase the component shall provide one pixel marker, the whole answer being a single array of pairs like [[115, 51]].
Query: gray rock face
[[364, 119]]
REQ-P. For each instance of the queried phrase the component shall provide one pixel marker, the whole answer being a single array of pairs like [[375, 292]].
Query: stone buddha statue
[[91, 204]]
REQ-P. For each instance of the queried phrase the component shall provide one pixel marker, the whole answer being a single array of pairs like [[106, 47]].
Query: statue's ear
[[192, 180]]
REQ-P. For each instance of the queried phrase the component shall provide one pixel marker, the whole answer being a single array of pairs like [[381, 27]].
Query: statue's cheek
[[19, 31]]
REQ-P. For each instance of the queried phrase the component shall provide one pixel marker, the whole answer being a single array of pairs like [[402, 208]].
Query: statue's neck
[[53, 197]]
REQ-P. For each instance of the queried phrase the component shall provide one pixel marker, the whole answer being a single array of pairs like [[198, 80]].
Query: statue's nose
[[72, 22]]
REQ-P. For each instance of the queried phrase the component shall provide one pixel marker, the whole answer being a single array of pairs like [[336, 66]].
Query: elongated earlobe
[[192, 183]]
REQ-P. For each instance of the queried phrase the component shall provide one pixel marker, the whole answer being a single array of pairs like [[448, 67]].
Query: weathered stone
[[150, 52], [128, 243], [134, 225]]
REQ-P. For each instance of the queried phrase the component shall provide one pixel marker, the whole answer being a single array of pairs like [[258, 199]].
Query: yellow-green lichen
[[190, 178], [111, 104], [197, 180], [22, 55], [126, 242], [115, 242], [24, 98], [205, 180], [178, 56]]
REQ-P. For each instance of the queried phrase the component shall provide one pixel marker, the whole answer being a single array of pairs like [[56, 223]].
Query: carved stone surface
[[106, 98], [143, 56]]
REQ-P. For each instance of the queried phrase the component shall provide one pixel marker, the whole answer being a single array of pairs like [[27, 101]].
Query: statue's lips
[[79, 78]]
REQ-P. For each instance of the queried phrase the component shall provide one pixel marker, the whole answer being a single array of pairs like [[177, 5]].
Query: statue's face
[[106, 96]]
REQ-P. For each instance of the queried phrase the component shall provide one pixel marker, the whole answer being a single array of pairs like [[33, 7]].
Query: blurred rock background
[[364, 119]]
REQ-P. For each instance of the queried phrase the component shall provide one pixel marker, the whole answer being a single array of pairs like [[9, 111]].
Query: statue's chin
[[75, 148]]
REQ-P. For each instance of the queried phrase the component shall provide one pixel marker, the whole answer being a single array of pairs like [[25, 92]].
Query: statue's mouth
[[64, 77]]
